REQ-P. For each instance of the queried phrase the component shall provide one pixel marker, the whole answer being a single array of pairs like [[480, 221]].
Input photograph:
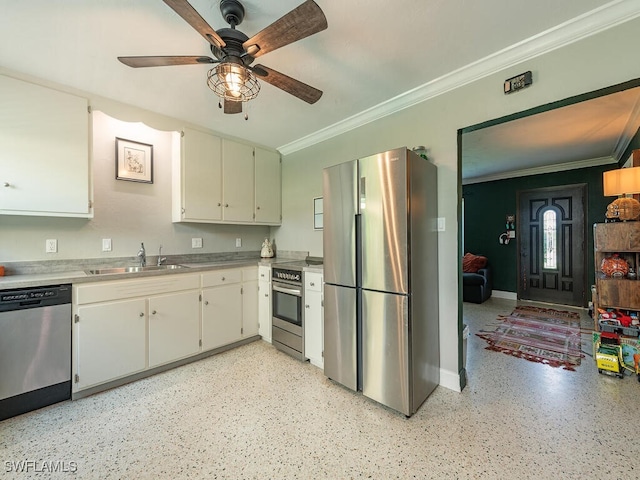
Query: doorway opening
[[564, 157]]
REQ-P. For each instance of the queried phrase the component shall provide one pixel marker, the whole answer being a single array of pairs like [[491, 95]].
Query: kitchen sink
[[136, 269]]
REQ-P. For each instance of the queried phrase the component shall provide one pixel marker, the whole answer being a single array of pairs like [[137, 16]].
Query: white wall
[[126, 212], [596, 62]]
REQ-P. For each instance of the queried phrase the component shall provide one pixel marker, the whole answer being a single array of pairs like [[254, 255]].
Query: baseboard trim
[[450, 380], [503, 294]]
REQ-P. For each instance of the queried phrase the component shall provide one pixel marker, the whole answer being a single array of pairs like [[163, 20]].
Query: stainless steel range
[[287, 327]]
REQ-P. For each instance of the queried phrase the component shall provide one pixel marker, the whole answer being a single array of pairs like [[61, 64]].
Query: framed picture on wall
[[134, 161]]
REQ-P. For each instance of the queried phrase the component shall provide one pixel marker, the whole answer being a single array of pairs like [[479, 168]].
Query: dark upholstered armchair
[[476, 287], [476, 278]]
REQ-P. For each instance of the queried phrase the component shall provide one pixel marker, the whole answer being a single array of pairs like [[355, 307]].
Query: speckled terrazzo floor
[[253, 412]]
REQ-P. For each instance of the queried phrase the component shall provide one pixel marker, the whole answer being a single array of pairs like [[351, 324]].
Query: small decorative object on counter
[[632, 274], [1, 271], [267, 249], [614, 266]]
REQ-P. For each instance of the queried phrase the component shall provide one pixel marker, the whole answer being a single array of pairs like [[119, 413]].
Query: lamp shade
[[621, 181]]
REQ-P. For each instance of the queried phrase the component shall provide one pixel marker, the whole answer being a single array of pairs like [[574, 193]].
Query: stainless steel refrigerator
[[381, 278]]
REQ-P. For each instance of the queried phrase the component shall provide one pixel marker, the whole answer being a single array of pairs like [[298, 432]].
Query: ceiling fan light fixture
[[233, 82]]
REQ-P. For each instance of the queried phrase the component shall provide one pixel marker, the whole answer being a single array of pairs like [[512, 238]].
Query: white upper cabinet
[[238, 179], [268, 206], [201, 180], [222, 181], [44, 151]]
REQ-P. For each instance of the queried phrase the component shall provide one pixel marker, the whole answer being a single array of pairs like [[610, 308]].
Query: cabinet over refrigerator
[[381, 278]]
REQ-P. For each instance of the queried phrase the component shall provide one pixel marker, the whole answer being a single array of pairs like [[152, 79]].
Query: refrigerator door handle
[[363, 192]]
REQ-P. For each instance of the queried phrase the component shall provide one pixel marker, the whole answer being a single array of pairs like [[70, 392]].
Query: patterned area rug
[[540, 335]]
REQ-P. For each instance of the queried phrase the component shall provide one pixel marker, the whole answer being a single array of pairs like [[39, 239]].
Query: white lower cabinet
[[174, 327], [313, 319], [221, 316], [124, 327], [229, 306], [264, 302], [109, 341], [250, 326]]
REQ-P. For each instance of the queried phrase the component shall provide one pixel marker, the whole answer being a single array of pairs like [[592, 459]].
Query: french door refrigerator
[[381, 278]]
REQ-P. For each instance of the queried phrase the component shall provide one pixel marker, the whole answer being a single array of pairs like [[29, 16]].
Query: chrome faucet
[[142, 255], [160, 257]]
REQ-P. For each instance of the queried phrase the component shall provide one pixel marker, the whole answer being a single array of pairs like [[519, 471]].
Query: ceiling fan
[[233, 79]]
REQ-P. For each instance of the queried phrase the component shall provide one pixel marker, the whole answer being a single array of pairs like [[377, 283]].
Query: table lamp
[[622, 182]]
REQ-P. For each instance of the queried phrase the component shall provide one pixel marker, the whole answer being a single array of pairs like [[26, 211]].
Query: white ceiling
[[372, 51], [595, 131]]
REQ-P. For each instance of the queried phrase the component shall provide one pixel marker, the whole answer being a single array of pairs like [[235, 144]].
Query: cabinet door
[[201, 176], [44, 137], [221, 316], [237, 181], [109, 341], [264, 310], [174, 327], [250, 308], [268, 187], [313, 324]]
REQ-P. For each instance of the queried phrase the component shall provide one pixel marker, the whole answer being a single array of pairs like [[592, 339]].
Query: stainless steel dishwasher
[[35, 348]]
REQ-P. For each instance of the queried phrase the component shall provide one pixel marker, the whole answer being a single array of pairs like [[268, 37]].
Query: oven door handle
[[292, 291]]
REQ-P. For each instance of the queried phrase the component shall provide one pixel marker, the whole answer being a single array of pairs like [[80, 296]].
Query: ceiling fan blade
[[232, 107], [160, 61], [290, 85], [193, 18], [299, 23]]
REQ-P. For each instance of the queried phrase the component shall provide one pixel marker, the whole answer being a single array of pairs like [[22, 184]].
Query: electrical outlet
[[196, 243], [106, 244], [51, 245], [238, 242]]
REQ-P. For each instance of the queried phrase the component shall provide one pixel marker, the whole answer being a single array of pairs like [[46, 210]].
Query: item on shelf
[[632, 274], [614, 266]]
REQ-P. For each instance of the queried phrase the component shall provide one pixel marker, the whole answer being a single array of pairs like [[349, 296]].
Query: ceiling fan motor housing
[[234, 40]]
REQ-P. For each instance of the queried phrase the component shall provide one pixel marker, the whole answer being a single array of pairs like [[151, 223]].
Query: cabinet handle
[[306, 306], [312, 284], [223, 279], [257, 208], [226, 205], [219, 204], [153, 313], [7, 184], [142, 314], [266, 294], [206, 302]]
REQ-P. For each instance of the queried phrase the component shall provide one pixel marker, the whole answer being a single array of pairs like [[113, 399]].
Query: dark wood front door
[[551, 240]]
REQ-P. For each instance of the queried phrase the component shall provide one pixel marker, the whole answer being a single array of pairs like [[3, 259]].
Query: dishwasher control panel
[[38, 296]]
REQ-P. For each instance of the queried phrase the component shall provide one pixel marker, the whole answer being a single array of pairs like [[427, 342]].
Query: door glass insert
[[550, 240]]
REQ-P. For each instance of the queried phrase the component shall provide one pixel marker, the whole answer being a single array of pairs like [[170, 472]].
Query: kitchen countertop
[[80, 276]]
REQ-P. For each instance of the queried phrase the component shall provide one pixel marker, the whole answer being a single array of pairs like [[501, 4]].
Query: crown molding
[[628, 133], [560, 167], [590, 23]]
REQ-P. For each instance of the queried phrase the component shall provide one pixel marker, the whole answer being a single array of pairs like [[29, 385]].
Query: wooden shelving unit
[[622, 238]]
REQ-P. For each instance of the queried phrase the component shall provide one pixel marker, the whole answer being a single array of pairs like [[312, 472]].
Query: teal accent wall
[[487, 204]]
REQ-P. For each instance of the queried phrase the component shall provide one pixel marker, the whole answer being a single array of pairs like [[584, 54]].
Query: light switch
[[106, 244], [441, 225]]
